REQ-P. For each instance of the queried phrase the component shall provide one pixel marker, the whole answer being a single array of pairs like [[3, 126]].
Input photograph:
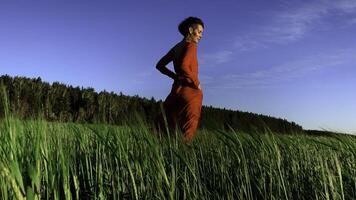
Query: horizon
[[290, 60], [119, 93]]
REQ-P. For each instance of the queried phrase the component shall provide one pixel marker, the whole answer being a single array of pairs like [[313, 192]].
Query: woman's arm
[[161, 65]]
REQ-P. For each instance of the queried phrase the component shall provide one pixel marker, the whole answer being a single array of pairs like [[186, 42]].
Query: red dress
[[183, 105]]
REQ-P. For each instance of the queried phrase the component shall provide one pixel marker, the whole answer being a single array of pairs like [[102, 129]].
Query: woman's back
[[185, 62]]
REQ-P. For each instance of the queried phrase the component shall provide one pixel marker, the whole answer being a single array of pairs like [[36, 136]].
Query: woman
[[183, 105]]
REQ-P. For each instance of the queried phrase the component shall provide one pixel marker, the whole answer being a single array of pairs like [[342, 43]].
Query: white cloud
[[218, 57], [293, 24], [272, 76], [247, 42], [348, 6], [353, 21], [284, 27]]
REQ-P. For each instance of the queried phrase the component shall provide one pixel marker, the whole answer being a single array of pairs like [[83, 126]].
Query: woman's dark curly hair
[[183, 27]]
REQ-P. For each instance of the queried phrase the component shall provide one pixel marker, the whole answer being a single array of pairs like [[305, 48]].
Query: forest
[[32, 98]]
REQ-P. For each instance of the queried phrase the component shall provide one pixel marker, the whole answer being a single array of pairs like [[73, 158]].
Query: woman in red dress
[[183, 105]]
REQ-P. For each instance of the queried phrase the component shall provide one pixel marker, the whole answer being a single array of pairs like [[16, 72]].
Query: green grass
[[43, 160]]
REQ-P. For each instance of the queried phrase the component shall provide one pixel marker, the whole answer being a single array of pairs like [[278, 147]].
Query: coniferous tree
[[30, 98]]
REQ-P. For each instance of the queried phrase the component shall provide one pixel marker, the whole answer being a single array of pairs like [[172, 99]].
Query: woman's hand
[[199, 87]]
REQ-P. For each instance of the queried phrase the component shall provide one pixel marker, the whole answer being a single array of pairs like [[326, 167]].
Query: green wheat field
[[52, 160]]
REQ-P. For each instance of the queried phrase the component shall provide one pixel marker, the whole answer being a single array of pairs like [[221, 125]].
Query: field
[[48, 160]]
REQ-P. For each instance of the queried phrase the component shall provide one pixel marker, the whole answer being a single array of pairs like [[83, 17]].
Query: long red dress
[[183, 105]]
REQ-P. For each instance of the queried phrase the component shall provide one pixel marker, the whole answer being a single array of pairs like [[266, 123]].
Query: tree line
[[33, 98]]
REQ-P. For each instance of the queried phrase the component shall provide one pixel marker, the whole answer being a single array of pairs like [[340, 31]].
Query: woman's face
[[196, 32]]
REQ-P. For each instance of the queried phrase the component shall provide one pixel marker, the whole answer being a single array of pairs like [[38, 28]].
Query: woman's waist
[[182, 83], [178, 86]]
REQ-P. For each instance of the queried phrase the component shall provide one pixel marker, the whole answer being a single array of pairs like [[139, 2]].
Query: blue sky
[[288, 59]]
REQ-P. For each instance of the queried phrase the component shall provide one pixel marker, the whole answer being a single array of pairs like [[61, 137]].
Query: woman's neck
[[188, 39]]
